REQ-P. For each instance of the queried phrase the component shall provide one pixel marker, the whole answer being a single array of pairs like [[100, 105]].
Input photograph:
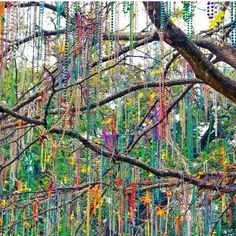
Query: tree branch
[[222, 51], [135, 162], [201, 66], [139, 87], [131, 145]]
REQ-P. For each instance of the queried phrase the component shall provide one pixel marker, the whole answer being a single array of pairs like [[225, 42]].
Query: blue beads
[[233, 26]]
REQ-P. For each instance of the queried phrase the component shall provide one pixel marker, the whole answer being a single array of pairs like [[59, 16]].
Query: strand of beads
[[220, 35], [34, 39], [112, 27], [190, 21], [66, 60], [37, 41], [11, 26], [7, 23], [210, 10], [29, 25], [58, 17], [96, 23], [162, 16], [72, 41], [162, 88], [233, 21], [13, 55], [100, 39], [185, 10], [131, 24], [215, 112], [131, 36], [188, 9], [117, 16], [88, 119], [2, 11], [168, 7], [125, 7], [41, 16]]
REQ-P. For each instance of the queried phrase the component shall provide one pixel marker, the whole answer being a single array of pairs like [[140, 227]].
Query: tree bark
[[201, 66]]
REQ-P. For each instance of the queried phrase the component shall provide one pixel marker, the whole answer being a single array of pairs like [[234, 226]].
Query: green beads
[[188, 11]]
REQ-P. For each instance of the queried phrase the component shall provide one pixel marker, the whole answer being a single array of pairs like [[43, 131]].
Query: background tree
[[117, 118]]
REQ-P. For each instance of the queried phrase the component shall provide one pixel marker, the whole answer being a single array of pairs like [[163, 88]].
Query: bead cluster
[[211, 10], [162, 16], [125, 7], [188, 11]]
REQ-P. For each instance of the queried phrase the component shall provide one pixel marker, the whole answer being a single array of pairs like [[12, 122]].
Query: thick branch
[[222, 51], [127, 159], [142, 165], [46, 5], [201, 66], [45, 33]]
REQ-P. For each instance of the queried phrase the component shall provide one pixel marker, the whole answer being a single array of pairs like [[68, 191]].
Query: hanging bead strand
[[66, 60], [233, 22]]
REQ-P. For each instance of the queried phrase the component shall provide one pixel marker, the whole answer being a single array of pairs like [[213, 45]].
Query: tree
[[110, 129]]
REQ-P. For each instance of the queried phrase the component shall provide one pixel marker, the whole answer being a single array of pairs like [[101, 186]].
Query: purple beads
[[210, 10]]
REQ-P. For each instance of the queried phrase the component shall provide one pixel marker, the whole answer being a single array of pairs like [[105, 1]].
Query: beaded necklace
[[188, 11], [116, 48], [233, 22], [125, 7], [100, 39], [210, 10], [41, 18], [58, 19], [162, 16], [112, 27], [2, 12], [131, 25], [66, 60], [37, 41], [34, 40]]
